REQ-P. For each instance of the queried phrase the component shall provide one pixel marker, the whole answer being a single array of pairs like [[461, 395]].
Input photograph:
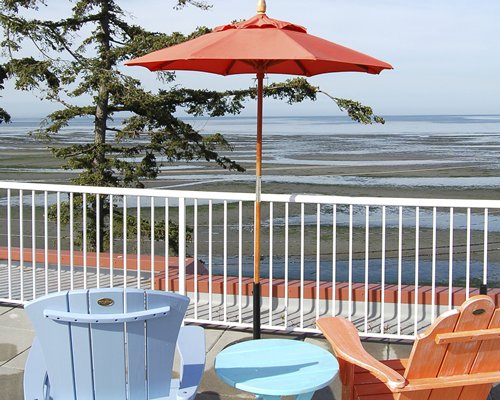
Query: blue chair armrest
[[36, 381], [191, 347]]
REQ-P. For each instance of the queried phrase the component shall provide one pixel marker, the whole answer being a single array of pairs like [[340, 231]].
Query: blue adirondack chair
[[112, 344]]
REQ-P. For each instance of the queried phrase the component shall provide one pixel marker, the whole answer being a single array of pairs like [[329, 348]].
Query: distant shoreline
[[40, 117]]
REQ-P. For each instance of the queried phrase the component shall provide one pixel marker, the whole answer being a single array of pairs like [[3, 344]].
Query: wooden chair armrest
[[478, 378], [344, 339]]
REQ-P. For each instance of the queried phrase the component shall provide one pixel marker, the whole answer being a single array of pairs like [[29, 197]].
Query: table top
[[276, 367]]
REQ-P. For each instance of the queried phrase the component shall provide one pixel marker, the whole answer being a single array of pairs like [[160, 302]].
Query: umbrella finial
[[261, 6]]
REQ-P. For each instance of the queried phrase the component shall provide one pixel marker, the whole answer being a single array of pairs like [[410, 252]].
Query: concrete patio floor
[[16, 335]]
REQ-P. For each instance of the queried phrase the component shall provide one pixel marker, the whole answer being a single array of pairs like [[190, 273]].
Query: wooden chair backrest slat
[[459, 357], [426, 358], [488, 356], [487, 359]]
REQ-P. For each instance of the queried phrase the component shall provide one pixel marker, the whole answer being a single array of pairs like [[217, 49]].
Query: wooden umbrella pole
[[257, 219]]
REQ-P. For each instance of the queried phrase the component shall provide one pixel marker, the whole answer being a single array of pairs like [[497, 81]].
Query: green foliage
[[79, 57], [197, 3], [355, 110], [67, 69], [3, 76], [83, 210], [358, 112], [30, 72], [293, 90], [4, 115]]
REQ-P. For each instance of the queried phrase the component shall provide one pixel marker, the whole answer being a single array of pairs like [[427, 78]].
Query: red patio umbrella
[[258, 46]]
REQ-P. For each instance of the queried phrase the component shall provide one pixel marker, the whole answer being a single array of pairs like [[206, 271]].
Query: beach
[[412, 156], [39, 166]]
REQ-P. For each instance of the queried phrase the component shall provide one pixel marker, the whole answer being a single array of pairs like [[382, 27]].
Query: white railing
[[391, 265]]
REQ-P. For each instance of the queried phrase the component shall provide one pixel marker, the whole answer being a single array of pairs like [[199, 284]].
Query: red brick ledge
[[233, 287], [326, 290], [104, 259]]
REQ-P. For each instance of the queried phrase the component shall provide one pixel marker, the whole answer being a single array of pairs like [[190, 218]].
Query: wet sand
[[38, 165]]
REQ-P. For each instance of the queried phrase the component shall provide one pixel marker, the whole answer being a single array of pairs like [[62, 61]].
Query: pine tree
[[79, 58]]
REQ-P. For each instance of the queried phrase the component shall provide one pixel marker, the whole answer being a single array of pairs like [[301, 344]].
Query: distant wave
[[483, 117]]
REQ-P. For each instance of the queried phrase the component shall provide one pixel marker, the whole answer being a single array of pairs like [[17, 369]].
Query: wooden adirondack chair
[[112, 344], [458, 357]]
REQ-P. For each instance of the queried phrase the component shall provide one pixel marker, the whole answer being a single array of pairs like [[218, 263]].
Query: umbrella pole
[[257, 219]]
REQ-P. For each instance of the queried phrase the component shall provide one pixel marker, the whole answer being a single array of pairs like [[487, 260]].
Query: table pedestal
[[303, 396]]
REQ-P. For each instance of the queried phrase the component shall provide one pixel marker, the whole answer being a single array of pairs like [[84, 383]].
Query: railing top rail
[[235, 196], [381, 201], [186, 194]]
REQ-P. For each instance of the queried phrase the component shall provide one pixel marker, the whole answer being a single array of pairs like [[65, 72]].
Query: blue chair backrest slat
[[108, 350], [136, 348], [81, 349], [55, 340], [161, 340]]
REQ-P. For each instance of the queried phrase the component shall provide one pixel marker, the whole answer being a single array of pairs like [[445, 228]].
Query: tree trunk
[[102, 100], [101, 117]]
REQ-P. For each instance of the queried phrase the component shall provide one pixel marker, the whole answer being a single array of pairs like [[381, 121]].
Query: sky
[[445, 53]]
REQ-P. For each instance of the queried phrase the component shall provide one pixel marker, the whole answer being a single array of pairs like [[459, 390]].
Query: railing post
[[182, 245]]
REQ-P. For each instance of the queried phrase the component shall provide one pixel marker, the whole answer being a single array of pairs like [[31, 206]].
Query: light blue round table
[[271, 368]]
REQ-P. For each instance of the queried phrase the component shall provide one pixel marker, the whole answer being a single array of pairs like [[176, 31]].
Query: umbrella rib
[[163, 65], [265, 64], [365, 67], [259, 64], [230, 66], [302, 68]]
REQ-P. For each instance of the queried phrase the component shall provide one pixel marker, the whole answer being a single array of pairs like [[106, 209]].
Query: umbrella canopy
[[260, 45]]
